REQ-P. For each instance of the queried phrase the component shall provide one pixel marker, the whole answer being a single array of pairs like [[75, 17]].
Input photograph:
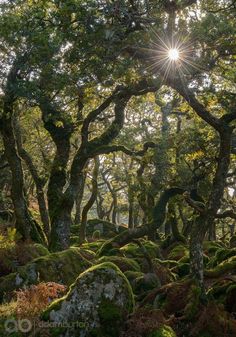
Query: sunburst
[[173, 55]]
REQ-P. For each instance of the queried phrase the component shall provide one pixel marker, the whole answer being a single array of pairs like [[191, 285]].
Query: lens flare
[[173, 54]]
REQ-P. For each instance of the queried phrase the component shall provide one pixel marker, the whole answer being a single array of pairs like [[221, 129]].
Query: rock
[[146, 282], [94, 246], [74, 240], [18, 255], [62, 267], [96, 304], [221, 255], [132, 275], [178, 252], [105, 228], [133, 250], [123, 263], [163, 331], [227, 266]]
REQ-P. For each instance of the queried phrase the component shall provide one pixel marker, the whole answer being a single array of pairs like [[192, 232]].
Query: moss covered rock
[[163, 273], [210, 247], [163, 331], [178, 252], [227, 266], [74, 240], [144, 283], [123, 263], [105, 228], [132, 275], [133, 250], [221, 255], [94, 245], [18, 255], [182, 269], [62, 267], [100, 298]]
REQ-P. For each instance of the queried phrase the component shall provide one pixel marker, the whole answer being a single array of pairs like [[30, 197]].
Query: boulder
[[103, 228], [178, 252], [62, 267], [96, 304], [163, 331], [133, 250], [124, 263], [18, 255]]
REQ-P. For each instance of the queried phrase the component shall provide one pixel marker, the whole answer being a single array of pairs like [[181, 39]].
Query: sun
[[173, 54]]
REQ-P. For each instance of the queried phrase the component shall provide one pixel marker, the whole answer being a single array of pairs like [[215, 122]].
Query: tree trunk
[[39, 183], [25, 224], [92, 199], [131, 214], [196, 251], [205, 221], [79, 199]]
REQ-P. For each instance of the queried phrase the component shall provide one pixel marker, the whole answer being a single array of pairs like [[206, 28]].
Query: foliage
[[34, 299]]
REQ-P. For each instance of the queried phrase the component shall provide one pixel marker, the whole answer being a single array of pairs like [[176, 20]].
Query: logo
[[22, 325]]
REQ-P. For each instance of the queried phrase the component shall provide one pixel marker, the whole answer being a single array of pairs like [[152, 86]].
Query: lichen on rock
[[63, 267], [95, 305]]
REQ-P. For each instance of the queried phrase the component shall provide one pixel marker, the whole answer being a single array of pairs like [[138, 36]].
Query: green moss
[[221, 255], [105, 228], [186, 259], [74, 229], [133, 250], [105, 248], [192, 307], [146, 282], [18, 255], [222, 268], [167, 263], [101, 297], [163, 331], [210, 247], [96, 235], [123, 263], [74, 239], [62, 267], [108, 311], [178, 252], [132, 275], [94, 246]]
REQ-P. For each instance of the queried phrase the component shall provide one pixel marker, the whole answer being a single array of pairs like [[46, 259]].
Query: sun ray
[[171, 56]]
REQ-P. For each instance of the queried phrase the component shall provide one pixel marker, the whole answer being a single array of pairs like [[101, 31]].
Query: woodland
[[118, 168]]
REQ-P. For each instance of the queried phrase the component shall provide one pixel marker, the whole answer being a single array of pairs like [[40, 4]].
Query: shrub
[[33, 300]]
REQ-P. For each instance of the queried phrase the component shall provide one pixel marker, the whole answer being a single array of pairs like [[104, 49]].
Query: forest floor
[[138, 290]]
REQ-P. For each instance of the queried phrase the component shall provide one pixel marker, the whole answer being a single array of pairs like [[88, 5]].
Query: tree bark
[[79, 199], [38, 181], [91, 201], [25, 224], [206, 219]]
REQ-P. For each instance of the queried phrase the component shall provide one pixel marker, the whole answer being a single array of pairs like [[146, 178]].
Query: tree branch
[[226, 214], [115, 148]]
